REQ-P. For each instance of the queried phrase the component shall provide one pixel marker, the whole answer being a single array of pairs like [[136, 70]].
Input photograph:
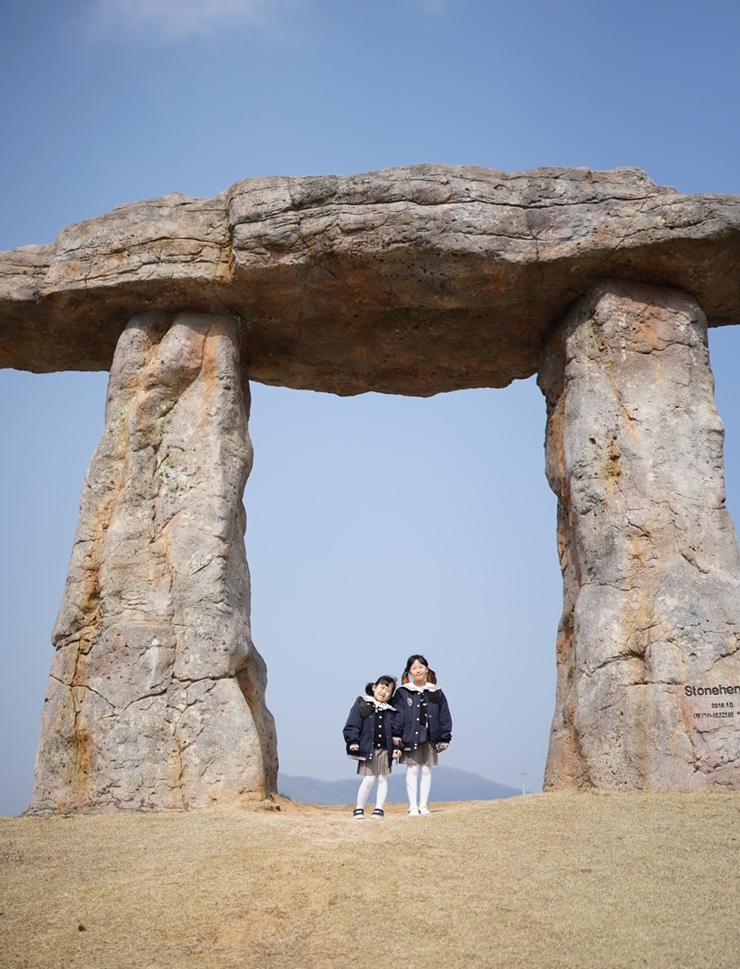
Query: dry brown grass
[[544, 881]]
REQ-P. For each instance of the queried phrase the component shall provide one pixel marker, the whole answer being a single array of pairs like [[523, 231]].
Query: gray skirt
[[425, 755], [377, 765]]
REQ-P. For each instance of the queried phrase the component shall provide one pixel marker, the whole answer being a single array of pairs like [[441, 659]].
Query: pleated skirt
[[425, 755], [377, 765]]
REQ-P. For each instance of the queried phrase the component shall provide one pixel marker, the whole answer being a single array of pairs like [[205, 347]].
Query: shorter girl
[[369, 736], [424, 722]]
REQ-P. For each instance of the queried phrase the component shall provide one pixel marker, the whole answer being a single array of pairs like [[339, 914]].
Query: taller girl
[[423, 720]]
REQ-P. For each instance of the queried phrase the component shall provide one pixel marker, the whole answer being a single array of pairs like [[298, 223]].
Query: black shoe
[[377, 813], [358, 813]]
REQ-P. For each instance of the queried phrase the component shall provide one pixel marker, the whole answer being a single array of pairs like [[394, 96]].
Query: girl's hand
[[441, 747], [354, 746], [396, 741]]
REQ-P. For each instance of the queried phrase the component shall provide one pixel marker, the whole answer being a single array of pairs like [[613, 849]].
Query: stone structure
[[412, 281], [156, 694], [650, 561]]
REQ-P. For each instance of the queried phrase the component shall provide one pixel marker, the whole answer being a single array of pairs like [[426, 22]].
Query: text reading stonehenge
[[409, 281]]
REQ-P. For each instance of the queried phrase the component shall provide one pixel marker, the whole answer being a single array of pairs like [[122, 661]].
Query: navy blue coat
[[406, 723], [360, 728]]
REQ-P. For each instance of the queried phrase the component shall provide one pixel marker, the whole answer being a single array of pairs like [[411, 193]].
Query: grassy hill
[[542, 881]]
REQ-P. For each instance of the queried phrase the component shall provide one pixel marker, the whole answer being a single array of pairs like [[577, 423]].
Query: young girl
[[369, 736], [423, 720]]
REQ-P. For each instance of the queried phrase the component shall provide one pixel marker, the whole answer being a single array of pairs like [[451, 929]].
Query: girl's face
[[382, 692], [418, 672]]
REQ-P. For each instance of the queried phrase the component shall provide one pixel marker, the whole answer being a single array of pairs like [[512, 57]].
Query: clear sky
[[377, 526]]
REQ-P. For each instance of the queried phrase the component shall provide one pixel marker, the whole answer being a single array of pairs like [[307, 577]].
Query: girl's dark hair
[[386, 680], [431, 675]]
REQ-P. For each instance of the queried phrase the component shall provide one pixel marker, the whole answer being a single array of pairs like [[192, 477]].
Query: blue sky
[[377, 526]]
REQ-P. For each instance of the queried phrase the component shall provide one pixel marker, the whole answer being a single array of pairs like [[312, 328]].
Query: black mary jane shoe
[[358, 813], [378, 813]]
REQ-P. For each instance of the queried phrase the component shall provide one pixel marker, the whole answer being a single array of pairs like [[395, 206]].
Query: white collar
[[420, 689], [379, 706]]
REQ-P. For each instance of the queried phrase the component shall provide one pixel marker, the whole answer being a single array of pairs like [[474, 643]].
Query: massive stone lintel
[[648, 693], [413, 280], [156, 698]]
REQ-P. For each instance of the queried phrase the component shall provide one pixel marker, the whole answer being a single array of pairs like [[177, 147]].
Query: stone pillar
[[648, 691], [156, 694]]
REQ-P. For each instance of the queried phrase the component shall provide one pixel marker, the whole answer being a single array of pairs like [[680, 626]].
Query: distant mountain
[[448, 784]]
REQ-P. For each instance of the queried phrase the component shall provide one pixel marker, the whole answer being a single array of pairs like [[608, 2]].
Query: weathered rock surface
[[156, 698], [413, 280], [648, 693]]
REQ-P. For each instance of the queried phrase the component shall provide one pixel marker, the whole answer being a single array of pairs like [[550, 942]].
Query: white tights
[[366, 785], [425, 784]]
